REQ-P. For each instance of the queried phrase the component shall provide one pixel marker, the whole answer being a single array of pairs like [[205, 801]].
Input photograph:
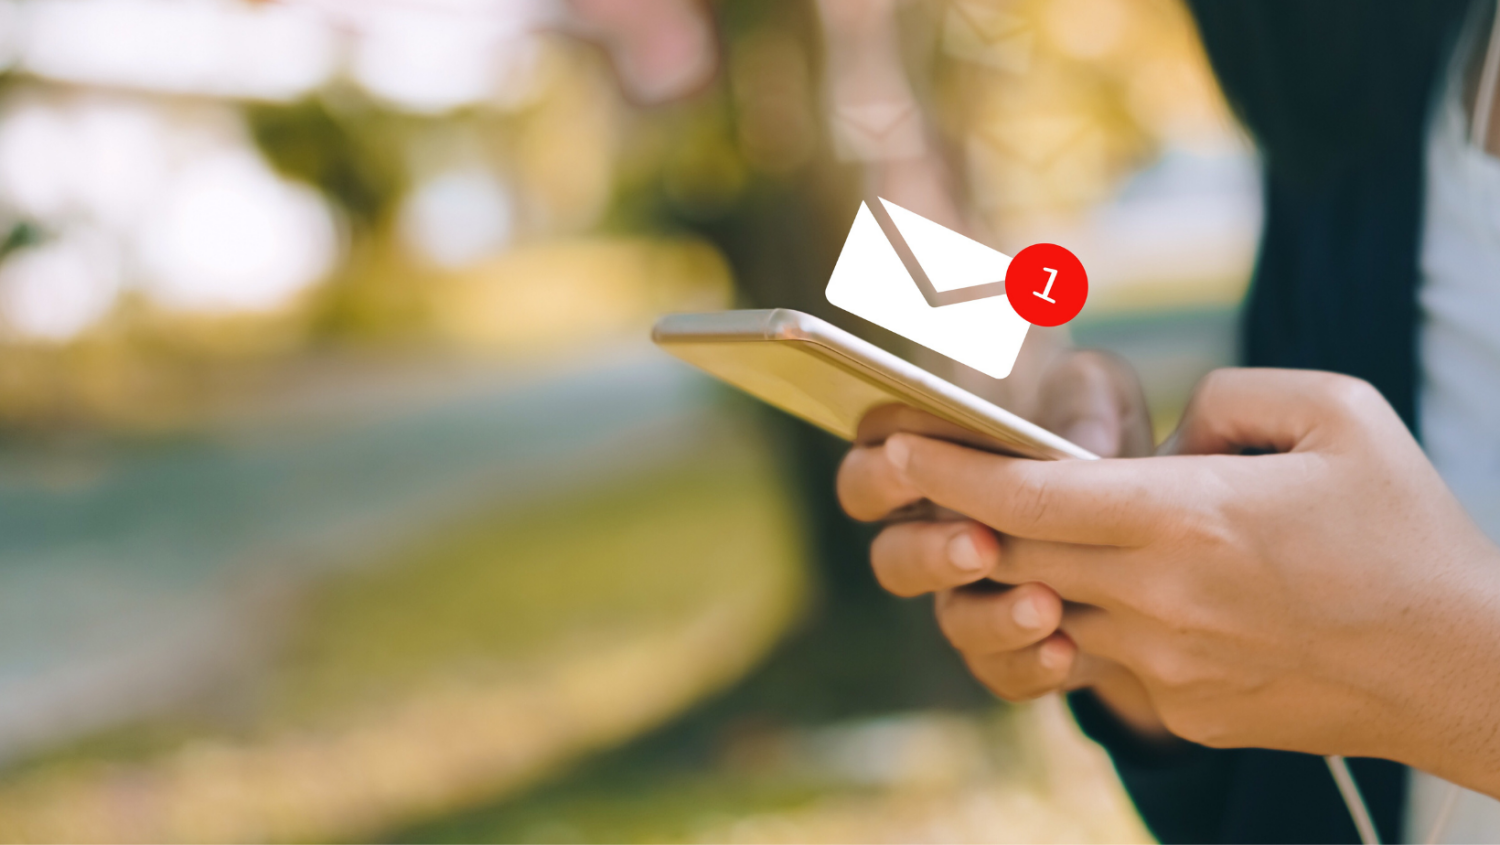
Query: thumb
[[1095, 400], [1243, 409]]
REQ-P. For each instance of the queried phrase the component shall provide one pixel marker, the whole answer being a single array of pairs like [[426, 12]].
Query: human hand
[[1331, 597], [1010, 637]]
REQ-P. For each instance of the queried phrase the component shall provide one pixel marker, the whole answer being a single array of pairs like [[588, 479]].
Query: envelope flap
[[1041, 139], [952, 261], [876, 118], [990, 22]]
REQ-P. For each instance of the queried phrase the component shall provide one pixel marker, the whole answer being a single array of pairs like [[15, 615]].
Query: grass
[[553, 673], [1018, 774], [609, 562], [624, 806], [470, 662]]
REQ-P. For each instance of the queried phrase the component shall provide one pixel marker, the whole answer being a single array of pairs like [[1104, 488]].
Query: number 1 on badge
[[1052, 277]]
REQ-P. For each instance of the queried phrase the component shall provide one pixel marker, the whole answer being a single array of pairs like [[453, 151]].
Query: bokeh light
[[56, 291], [230, 235], [217, 47], [458, 217]]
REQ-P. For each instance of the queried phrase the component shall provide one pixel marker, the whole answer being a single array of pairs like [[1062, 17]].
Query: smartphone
[[844, 385]]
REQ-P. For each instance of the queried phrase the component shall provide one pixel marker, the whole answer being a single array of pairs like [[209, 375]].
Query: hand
[[1009, 638], [1331, 598]]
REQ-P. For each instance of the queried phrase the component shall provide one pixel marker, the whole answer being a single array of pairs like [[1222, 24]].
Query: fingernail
[[1026, 614], [964, 554], [897, 452]]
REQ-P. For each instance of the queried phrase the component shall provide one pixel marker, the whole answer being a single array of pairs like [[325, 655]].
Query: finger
[[869, 487], [1098, 575], [1028, 673], [914, 558], [1095, 400], [1276, 410], [881, 422], [1100, 632], [1140, 652], [1088, 669], [1104, 502], [990, 622]]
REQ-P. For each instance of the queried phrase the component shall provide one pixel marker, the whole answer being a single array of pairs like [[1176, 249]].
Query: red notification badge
[[1046, 285]]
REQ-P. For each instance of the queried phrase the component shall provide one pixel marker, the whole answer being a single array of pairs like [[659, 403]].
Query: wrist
[[1448, 721]]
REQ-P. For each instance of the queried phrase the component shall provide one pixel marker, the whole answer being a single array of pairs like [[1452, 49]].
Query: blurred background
[[342, 495]]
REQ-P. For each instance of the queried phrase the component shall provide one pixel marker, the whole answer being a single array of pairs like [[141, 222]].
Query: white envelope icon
[[979, 31], [930, 285], [878, 131], [1039, 160]]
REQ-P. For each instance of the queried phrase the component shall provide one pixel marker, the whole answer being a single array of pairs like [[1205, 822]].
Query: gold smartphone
[[844, 385]]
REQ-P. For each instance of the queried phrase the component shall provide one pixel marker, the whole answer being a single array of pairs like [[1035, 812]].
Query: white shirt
[[1459, 301]]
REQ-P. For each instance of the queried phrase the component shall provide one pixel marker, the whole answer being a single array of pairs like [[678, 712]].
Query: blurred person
[[1341, 594]]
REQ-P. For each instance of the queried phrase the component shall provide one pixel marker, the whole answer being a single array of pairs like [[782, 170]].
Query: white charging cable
[[1353, 800], [1361, 813]]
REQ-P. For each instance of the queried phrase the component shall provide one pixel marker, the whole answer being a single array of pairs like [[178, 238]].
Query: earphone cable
[[1353, 800]]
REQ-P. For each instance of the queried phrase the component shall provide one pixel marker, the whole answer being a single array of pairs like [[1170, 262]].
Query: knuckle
[[950, 619], [1167, 604], [889, 564], [982, 625], [1211, 523], [1013, 677], [1030, 500], [1350, 394]]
